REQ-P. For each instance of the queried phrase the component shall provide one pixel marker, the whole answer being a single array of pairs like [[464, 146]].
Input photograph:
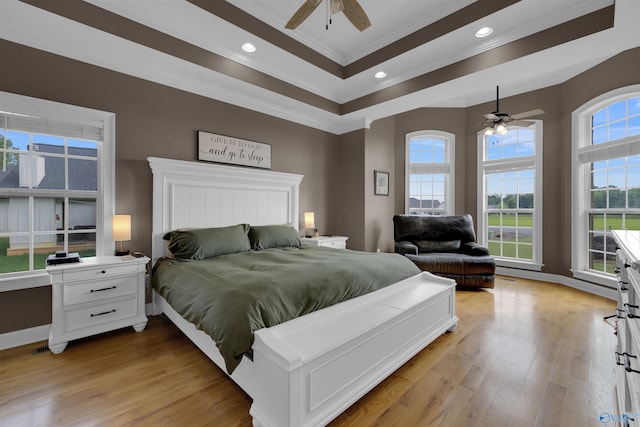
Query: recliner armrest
[[404, 247], [474, 248]]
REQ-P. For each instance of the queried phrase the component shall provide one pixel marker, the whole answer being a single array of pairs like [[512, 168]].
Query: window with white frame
[[510, 189], [56, 182], [429, 172], [606, 180]]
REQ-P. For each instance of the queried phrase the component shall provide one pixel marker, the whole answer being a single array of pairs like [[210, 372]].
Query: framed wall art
[[381, 183]]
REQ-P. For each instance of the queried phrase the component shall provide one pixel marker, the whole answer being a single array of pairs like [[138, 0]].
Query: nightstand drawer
[[84, 317], [98, 290], [334, 245], [98, 272]]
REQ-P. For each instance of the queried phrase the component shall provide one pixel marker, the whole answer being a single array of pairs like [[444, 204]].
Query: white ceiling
[[391, 20]]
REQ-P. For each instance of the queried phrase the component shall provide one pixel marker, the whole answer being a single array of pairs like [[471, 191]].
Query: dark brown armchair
[[446, 246]]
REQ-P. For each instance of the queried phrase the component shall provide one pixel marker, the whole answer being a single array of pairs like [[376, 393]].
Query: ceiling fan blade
[[302, 13], [531, 113], [354, 13], [336, 6], [523, 123], [490, 116]]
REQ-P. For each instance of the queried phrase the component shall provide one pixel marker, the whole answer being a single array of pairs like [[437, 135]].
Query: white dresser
[[336, 242], [627, 369], [96, 295]]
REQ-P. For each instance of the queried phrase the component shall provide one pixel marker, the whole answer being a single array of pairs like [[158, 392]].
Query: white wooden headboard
[[193, 195]]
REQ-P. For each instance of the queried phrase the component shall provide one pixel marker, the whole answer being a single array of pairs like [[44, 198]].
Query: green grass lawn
[[14, 263], [509, 220], [614, 222]]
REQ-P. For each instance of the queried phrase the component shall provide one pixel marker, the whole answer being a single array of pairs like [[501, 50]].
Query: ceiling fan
[[351, 9], [496, 122]]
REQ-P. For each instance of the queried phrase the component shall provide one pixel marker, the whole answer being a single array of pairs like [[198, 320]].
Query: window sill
[[35, 280], [522, 265], [599, 278]]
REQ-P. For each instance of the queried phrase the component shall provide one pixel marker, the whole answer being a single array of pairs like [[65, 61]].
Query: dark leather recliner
[[446, 246]]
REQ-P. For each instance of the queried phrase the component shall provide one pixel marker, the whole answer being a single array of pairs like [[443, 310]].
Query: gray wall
[[154, 120]]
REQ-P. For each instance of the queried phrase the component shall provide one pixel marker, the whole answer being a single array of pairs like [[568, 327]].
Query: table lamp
[[121, 232]]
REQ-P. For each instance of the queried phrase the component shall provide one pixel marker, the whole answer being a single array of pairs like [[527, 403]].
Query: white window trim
[[582, 150], [447, 167], [516, 163], [105, 201]]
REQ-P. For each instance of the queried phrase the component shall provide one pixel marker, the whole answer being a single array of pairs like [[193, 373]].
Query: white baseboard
[[24, 336], [592, 288]]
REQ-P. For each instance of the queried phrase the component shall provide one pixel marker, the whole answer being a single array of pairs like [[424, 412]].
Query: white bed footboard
[[309, 370]]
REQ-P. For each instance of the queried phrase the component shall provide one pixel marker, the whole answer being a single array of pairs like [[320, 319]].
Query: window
[[56, 169], [606, 181], [429, 173], [510, 185]]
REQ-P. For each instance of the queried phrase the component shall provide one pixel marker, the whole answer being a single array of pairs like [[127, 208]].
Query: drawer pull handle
[[104, 289], [103, 313], [622, 286], [627, 309], [627, 361]]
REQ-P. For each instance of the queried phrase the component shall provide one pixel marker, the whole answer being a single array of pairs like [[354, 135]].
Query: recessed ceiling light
[[380, 75], [484, 32], [248, 47]]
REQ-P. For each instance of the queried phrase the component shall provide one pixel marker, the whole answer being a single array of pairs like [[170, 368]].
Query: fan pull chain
[[328, 14]]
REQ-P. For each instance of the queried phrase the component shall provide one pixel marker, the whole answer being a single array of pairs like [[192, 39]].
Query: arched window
[[429, 172], [510, 195], [606, 180]]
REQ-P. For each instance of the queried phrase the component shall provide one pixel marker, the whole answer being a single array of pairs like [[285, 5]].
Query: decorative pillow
[[201, 243], [438, 245], [273, 236]]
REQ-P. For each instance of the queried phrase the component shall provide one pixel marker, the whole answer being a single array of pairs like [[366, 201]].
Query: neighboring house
[[47, 173]]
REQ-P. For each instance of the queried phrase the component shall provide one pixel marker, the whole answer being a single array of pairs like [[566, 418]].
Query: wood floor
[[524, 354]]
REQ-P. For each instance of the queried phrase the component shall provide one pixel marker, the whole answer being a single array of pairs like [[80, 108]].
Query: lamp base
[[121, 253]]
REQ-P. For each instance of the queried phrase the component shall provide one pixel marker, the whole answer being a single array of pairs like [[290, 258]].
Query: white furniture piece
[[306, 371], [627, 369], [96, 295], [336, 242]]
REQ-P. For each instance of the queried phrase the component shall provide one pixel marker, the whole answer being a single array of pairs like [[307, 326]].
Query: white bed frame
[[306, 371]]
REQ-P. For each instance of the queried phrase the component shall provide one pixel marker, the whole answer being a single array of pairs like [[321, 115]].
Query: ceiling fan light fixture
[[501, 129], [249, 47], [484, 32], [380, 75], [489, 131]]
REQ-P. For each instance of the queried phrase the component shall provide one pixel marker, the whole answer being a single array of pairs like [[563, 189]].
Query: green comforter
[[231, 296]]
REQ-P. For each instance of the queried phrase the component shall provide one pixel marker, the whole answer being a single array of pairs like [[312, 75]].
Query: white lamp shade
[[121, 227], [309, 220]]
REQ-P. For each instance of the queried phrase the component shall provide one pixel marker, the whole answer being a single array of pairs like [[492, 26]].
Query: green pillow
[[201, 243], [273, 236]]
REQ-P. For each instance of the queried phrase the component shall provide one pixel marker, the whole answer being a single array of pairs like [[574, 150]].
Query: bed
[[304, 371]]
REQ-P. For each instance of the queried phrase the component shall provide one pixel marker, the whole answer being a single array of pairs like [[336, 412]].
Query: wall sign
[[235, 151]]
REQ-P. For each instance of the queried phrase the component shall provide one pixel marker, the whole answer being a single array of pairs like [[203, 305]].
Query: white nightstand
[[96, 295], [337, 242]]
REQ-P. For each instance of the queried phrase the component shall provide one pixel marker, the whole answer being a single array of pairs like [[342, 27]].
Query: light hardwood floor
[[524, 354]]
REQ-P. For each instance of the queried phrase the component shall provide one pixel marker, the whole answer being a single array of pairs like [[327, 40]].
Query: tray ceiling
[[324, 78]]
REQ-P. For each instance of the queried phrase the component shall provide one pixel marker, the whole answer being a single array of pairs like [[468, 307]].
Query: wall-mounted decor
[[381, 183], [226, 149]]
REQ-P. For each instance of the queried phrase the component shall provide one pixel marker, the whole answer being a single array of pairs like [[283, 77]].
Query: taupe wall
[[154, 120], [378, 211]]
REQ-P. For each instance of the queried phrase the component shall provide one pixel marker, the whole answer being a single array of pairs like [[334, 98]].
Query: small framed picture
[[381, 183]]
